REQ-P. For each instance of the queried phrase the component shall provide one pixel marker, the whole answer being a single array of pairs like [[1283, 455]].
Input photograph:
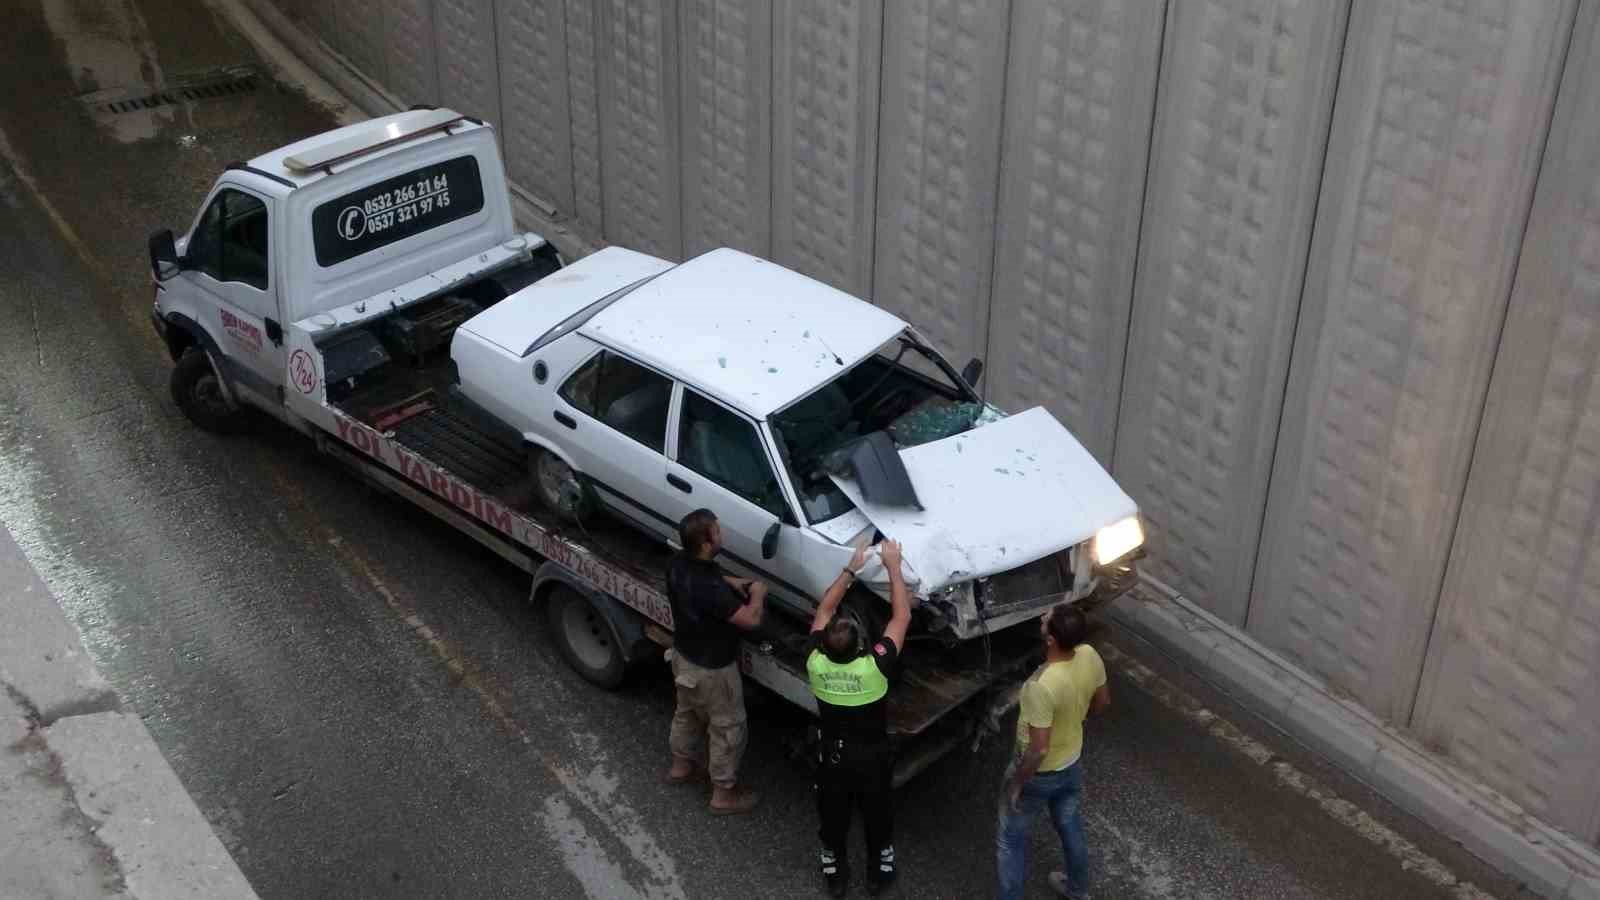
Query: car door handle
[[567, 420], [680, 484]]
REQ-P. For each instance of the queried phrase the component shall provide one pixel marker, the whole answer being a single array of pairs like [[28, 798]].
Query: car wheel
[[199, 392], [559, 488], [585, 637]]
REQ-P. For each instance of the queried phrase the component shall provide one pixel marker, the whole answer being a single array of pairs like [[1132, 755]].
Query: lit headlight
[[1113, 542]]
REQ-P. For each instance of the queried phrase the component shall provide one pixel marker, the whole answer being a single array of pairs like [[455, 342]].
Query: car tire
[[558, 487], [198, 390], [585, 637]]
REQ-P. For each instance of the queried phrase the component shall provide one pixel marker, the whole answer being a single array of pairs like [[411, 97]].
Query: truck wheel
[[560, 489], [198, 391], [585, 637]]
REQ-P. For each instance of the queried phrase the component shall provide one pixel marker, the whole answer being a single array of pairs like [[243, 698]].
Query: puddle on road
[[108, 45]]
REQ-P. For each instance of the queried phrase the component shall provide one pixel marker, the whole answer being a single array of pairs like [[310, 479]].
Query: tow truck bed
[[438, 452]]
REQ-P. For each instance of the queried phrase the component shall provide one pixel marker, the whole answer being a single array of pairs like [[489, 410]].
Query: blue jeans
[[1061, 793]]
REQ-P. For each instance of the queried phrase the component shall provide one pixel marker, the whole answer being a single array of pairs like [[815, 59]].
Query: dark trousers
[[855, 774]]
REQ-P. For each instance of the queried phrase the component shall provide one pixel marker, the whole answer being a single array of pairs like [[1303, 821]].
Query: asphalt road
[[362, 702]]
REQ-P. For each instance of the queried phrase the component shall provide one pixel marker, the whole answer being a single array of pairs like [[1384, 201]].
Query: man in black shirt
[[709, 612], [850, 675]]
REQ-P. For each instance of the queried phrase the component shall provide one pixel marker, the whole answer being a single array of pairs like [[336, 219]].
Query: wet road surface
[[361, 700]]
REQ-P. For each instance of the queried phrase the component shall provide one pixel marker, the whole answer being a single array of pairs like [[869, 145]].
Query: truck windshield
[[905, 389]]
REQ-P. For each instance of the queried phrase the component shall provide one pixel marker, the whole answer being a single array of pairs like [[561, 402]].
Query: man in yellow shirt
[[1046, 773]]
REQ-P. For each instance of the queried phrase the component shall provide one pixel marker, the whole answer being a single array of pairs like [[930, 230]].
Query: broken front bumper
[[1001, 601]]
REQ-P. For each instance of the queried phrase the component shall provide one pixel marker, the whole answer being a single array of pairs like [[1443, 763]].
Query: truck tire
[[559, 488], [585, 637], [199, 392]]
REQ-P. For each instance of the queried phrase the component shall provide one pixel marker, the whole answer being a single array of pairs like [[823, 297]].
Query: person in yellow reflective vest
[[849, 673]]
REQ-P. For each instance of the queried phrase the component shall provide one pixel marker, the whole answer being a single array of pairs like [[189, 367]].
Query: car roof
[[747, 331]]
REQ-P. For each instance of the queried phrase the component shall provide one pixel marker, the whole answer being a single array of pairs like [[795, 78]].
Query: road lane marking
[[1411, 857], [594, 790]]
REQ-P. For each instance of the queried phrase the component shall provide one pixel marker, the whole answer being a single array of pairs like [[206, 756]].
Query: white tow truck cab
[[405, 218], [369, 288]]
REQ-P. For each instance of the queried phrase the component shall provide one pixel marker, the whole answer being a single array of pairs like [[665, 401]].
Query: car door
[[722, 463], [228, 267], [615, 411]]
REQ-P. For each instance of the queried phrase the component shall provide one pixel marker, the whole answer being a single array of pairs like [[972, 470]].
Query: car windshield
[[904, 389]]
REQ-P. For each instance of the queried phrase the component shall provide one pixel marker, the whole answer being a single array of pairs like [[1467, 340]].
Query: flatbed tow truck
[[317, 284]]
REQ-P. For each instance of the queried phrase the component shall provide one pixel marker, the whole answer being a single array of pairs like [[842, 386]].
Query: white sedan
[[808, 420]]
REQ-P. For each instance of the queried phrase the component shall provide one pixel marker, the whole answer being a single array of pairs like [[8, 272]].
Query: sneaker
[[733, 801], [1058, 883], [836, 874], [883, 874]]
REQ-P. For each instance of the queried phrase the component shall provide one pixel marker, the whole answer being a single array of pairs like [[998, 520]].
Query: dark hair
[[694, 532], [1066, 624], [842, 640]]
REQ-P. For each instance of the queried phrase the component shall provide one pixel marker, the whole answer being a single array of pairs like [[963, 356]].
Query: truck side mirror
[[164, 261], [972, 371], [769, 541]]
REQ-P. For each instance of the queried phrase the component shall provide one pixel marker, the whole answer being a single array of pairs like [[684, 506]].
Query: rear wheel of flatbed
[[585, 637], [199, 392]]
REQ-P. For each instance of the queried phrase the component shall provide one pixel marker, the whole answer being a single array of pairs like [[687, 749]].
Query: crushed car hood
[[995, 498]]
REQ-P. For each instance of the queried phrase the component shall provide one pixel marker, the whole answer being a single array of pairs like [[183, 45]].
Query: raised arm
[[899, 597], [829, 604]]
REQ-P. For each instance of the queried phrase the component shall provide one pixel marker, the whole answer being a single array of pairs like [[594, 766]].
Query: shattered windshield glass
[[904, 389]]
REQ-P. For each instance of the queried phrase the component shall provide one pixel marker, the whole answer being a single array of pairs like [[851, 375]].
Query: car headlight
[[1115, 541]]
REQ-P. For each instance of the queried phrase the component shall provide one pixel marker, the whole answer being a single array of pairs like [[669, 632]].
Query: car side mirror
[[972, 371], [164, 262], [769, 541]]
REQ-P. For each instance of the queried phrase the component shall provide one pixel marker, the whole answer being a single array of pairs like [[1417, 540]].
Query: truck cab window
[[230, 243], [624, 395], [244, 239]]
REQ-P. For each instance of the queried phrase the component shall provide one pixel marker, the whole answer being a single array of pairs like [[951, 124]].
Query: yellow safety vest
[[855, 683]]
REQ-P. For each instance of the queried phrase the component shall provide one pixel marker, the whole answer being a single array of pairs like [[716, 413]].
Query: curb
[[133, 803], [1550, 862]]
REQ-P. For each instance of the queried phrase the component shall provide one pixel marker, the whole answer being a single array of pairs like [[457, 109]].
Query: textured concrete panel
[[825, 138], [468, 74], [1078, 102], [1431, 161], [1510, 686], [536, 117], [938, 162], [727, 125], [408, 51], [361, 37], [583, 96], [639, 118], [1246, 96]]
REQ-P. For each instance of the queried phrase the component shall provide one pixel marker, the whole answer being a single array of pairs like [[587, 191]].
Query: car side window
[[244, 239], [726, 448], [623, 395]]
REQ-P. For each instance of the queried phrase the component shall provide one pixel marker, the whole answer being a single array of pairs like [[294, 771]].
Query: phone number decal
[[392, 207]]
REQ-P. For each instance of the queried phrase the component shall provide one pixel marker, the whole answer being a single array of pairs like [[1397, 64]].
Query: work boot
[[733, 801], [836, 872], [881, 875]]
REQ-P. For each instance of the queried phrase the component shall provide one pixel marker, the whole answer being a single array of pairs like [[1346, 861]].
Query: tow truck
[[322, 284]]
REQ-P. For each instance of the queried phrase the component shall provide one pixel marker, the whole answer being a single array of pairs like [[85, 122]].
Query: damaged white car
[[809, 421]]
